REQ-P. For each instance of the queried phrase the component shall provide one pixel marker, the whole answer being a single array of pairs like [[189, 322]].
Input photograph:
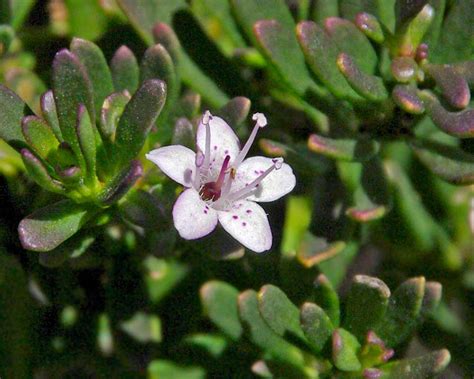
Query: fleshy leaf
[[111, 112], [321, 55], [50, 226], [458, 124], [365, 305], [48, 109], [406, 97], [143, 327], [316, 325], [121, 183], [144, 209], [403, 312], [125, 71], [86, 138], [450, 163], [71, 87], [343, 149], [323, 9], [370, 26], [404, 69], [314, 250], [407, 9], [161, 369], [454, 87], [283, 53], [137, 119], [431, 299], [344, 350], [12, 109], [183, 133], [235, 111], [281, 315], [369, 86], [39, 173], [261, 334], [215, 17], [326, 297], [351, 41], [426, 366], [97, 70], [411, 34], [39, 136], [219, 301]]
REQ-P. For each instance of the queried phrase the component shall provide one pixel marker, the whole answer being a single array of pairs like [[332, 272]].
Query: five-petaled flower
[[222, 186]]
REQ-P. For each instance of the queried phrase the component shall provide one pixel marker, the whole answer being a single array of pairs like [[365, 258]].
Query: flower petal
[[277, 184], [176, 161], [192, 217], [247, 222], [223, 142]]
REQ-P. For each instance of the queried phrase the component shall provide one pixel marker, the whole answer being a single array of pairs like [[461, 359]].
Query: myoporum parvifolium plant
[[236, 189]]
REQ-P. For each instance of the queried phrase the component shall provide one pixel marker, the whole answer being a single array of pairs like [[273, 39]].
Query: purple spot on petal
[[226, 152], [249, 211], [244, 224], [256, 172], [215, 147], [235, 217], [205, 211]]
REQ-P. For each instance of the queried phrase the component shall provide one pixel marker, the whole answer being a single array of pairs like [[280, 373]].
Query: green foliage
[[369, 102]]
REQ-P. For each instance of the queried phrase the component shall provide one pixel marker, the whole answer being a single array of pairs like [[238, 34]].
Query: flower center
[[211, 191]]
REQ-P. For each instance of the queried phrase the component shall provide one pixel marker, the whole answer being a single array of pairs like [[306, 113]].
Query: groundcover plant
[[236, 189]]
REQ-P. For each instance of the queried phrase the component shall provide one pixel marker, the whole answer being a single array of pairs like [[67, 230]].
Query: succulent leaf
[[316, 325], [12, 109], [125, 71]]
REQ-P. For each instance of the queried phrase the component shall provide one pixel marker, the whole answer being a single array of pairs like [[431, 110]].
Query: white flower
[[223, 187]]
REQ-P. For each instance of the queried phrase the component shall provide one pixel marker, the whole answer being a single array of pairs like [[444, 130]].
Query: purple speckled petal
[[176, 161], [247, 222], [223, 142], [277, 184], [192, 217]]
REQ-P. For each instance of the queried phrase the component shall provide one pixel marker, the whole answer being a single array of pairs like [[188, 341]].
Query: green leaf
[[145, 210], [343, 149], [213, 345], [183, 133], [90, 10], [261, 334], [316, 325], [335, 268], [50, 226], [321, 55], [49, 112], [406, 97], [410, 35], [326, 297], [404, 69], [16, 352], [12, 109], [111, 112], [71, 87], [161, 369], [143, 328], [352, 41], [161, 276], [39, 173], [431, 299], [403, 312], [314, 250], [39, 136], [407, 9], [426, 366], [96, 68], [365, 305], [236, 110], [370, 26], [137, 119], [19, 11], [215, 17], [456, 43], [7, 34], [189, 72], [344, 350], [144, 14], [450, 163], [369, 86], [283, 54], [453, 86], [73, 248], [86, 137], [323, 9], [121, 183], [125, 71], [219, 301], [458, 124], [281, 315]]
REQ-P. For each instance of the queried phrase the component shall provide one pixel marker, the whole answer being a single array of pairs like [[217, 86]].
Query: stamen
[[261, 121], [199, 160], [245, 191], [206, 118]]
